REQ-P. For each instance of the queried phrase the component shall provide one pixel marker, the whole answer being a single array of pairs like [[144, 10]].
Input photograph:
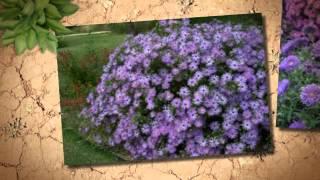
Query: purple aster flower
[[163, 22], [198, 123], [175, 71], [298, 124], [247, 114], [167, 59], [283, 86], [203, 90], [220, 98], [198, 75], [235, 148], [310, 95], [316, 48], [234, 65], [193, 66], [214, 79], [184, 92], [312, 67], [242, 87], [185, 22], [310, 29], [192, 82], [226, 77], [232, 133], [183, 65], [244, 105], [261, 74], [214, 126], [197, 99], [214, 111], [186, 103], [168, 95], [176, 102], [247, 124], [156, 80], [250, 138], [227, 124], [209, 71], [254, 105], [289, 63], [202, 110], [192, 114], [292, 44], [165, 85], [208, 61]]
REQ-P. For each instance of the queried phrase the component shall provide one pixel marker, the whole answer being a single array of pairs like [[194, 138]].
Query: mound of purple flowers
[[301, 25], [301, 17], [183, 90]]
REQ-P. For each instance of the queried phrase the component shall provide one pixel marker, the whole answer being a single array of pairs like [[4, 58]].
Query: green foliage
[[27, 23]]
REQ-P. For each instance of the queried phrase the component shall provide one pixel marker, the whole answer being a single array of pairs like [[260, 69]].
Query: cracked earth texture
[[30, 124]]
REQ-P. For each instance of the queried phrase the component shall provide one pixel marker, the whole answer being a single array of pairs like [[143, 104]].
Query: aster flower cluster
[[183, 90], [301, 17], [300, 65]]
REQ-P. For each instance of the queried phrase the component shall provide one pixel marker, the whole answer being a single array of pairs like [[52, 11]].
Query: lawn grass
[[77, 150], [80, 62]]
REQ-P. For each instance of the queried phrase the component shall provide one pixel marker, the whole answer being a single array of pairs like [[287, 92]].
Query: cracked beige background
[[31, 136]]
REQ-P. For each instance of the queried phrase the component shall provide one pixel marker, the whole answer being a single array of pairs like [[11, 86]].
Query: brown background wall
[[29, 96]]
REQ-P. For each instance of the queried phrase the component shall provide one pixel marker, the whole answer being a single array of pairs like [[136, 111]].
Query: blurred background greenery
[[81, 56]]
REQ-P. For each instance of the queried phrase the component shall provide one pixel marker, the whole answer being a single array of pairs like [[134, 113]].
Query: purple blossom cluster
[[301, 35], [183, 90], [301, 18], [301, 26]]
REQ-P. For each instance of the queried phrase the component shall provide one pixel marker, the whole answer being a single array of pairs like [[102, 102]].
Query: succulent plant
[[27, 23]]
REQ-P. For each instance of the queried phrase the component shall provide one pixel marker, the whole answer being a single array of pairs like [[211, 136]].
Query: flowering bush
[[183, 90], [299, 87]]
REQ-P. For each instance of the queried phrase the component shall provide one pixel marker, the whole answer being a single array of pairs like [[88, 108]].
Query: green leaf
[[31, 39], [8, 41], [68, 9], [52, 46], [57, 26], [5, 4], [42, 40], [40, 4], [20, 43], [28, 8], [22, 26], [42, 18], [21, 3], [11, 1], [52, 37], [53, 12], [40, 29], [34, 19], [8, 34], [9, 13], [8, 24], [60, 2]]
